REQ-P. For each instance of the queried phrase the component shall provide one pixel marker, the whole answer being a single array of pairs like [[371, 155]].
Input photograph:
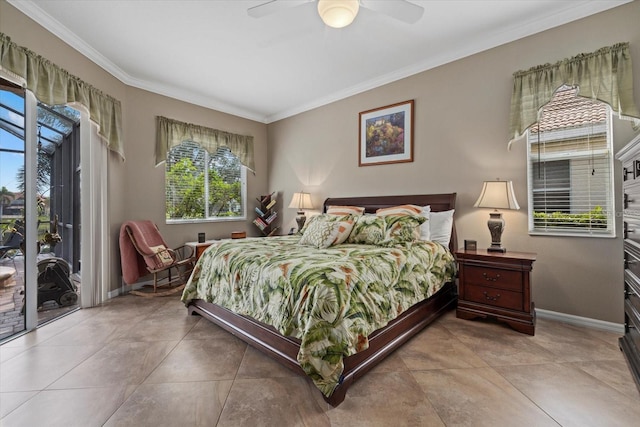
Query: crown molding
[[31, 9], [571, 12]]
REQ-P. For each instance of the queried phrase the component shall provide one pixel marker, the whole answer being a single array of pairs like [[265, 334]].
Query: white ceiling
[[211, 53]]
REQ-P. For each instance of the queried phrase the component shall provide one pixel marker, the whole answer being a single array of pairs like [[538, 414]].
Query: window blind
[[203, 186], [570, 165], [571, 186]]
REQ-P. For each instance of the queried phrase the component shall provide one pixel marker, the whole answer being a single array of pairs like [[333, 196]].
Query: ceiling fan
[[340, 13]]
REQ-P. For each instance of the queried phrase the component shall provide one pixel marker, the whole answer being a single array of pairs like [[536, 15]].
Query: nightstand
[[497, 285], [200, 247]]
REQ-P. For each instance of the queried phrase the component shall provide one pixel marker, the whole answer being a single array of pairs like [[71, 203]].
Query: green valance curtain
[[170, 133], [53, 85], [604, 75]]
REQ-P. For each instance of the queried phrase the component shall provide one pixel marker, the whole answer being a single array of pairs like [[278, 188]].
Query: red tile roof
[[567, 110]]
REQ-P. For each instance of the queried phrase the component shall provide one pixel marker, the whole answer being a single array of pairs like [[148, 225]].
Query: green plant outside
[[595, 218], [185, 186]]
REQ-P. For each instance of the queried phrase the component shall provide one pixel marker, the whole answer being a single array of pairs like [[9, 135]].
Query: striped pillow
[[400, 210], [345, 210]]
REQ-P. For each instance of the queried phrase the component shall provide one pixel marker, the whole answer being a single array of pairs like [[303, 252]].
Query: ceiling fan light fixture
[[338, 13]]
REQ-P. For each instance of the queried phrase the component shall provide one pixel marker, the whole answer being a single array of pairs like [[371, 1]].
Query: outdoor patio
[[12, 298]]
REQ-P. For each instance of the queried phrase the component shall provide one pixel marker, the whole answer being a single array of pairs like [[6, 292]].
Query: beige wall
[[461, 114], [26, 32], [461, 128], [136, 186], [144, 195]]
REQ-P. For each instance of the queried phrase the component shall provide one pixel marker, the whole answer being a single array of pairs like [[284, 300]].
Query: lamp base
[[301, 219], [496, 227]]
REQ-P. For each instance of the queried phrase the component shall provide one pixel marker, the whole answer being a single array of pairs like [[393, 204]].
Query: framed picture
[[386, 135]]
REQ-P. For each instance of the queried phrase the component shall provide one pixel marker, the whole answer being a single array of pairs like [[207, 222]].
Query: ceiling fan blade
[[399, 9], [273, 6]]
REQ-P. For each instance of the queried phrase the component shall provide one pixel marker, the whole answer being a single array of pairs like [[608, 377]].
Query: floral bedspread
[[331, 299]]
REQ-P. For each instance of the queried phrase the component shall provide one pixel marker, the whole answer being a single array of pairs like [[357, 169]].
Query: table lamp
[[497, 195], [301, 201]]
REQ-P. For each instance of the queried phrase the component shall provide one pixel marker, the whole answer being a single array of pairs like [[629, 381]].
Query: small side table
[[199, 248], [498, 285]]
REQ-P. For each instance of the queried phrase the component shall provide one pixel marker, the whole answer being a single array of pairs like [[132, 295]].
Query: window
[[201, 186], [570, 167]]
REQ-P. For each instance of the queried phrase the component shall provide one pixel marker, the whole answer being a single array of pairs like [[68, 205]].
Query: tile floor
[[144, 362]]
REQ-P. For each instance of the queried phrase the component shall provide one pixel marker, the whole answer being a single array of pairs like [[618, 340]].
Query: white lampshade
[[497, 195], [301, 201], [338, 13]]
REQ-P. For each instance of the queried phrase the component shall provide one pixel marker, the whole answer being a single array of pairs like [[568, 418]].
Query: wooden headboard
[[438, 203]]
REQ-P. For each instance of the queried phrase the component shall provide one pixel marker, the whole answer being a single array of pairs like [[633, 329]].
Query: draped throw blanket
[[56, 86], [149, 242], [605, 75], [170, 133]]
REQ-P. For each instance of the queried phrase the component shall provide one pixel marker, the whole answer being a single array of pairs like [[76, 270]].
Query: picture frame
[[386, 135], [470, 245]]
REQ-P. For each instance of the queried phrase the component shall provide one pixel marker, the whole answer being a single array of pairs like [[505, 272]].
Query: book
[[266, 199], [271, 203], [271, 217], [259, 212]]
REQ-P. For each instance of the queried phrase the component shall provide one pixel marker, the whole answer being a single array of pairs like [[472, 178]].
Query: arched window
[[570, 167]]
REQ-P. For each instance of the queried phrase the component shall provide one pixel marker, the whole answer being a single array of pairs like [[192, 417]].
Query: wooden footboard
[[285, 349]]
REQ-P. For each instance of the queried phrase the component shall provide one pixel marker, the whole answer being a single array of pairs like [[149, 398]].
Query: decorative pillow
[[345, 221], [162, 257], [311, 220], [400, 210], [345, 210], [425, 233], [320, 234], [402, 229], [344, 230], [368, 230], [440, 224]]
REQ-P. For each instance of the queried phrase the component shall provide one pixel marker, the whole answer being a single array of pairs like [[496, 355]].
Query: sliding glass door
[[40, 210], [12, 209]]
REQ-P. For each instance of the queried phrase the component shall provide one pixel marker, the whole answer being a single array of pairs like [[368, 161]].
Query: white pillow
[[440, 224], [425, 233]]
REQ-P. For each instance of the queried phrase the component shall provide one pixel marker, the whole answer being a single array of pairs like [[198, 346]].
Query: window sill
[[207, 220], [605, 235]]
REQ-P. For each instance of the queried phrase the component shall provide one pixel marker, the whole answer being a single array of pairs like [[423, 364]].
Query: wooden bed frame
[[381, 342]]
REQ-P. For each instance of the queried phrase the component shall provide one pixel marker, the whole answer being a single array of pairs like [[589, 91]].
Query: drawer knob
[[490, 298], [489, 278], [627, 200], [625, 173]]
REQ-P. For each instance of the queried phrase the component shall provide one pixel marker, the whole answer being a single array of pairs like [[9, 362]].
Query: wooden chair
[[144, 251]]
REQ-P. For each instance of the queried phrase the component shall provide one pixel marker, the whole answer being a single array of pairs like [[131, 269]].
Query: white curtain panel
[[95, 248]]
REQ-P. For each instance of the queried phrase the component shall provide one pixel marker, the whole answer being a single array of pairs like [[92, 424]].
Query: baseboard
[[581, 321], [125, 289], [585, 322]]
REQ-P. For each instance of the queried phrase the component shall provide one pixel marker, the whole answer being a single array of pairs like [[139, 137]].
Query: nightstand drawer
[[495, 297], [496, 278]]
